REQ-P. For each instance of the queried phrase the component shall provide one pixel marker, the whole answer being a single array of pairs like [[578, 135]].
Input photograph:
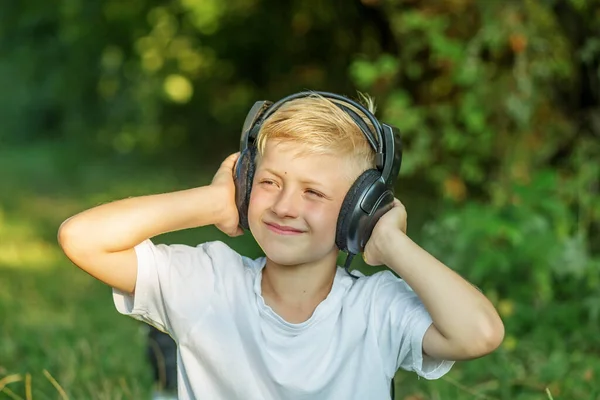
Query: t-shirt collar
[[341, 283]]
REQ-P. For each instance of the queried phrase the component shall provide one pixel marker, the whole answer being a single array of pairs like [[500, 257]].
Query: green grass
[[60, 331]]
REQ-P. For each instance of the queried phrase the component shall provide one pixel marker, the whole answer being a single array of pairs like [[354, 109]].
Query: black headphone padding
[[244, 176], [354, 195]]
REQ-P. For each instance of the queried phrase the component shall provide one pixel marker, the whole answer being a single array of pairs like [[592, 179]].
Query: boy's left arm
[[465, 323]]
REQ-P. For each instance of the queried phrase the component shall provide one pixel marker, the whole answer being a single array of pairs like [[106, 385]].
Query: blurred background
[[498, 103]]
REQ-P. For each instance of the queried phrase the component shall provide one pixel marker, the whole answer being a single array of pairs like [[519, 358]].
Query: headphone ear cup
[[243, 178], [351, 201]]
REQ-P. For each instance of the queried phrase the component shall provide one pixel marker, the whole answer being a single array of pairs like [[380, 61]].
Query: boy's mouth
[[282, 229]]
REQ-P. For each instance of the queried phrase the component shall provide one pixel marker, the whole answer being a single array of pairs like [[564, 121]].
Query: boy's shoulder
[[382, 287], [213, 254], [383, 296], [189, 252], [212, 248], [223, 255], [379, 278]]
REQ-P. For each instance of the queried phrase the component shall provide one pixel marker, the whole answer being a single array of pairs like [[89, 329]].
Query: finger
[[230, 161], [234, 231], [227, 166]]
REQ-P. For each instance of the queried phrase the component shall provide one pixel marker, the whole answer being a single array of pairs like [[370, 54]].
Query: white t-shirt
[[231, 345]]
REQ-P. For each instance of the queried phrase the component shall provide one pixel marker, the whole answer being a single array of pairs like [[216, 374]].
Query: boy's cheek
[[326, 223], [258, 200]]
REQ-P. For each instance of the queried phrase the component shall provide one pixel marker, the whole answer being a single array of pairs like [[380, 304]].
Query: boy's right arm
[[101, 240]]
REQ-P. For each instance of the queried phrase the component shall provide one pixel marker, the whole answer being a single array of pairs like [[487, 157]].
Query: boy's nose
[[285, 205]]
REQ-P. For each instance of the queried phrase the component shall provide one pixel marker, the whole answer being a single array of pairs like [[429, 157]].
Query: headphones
[[371, 195]]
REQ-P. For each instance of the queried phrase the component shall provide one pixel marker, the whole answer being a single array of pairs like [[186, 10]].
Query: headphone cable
[[349, 259]]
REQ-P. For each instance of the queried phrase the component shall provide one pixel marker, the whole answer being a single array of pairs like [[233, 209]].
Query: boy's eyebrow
[[304, 181], [269, 170]]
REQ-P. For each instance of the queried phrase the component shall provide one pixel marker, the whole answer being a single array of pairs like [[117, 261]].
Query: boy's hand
[[392, 222], [223, 180]]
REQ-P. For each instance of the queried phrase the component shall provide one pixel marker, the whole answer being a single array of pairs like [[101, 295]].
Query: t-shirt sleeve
[[402, 320], [173, 288]]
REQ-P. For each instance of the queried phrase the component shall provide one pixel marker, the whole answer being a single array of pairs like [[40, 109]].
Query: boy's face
[[295, 203]]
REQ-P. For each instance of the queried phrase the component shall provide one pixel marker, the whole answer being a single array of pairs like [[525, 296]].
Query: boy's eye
[[267, 182], [315, 193]]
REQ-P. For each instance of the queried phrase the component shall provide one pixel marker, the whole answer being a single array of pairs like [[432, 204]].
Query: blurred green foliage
[[498, 103]]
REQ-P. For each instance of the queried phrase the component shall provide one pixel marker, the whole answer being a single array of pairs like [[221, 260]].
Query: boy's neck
[[294, 292]]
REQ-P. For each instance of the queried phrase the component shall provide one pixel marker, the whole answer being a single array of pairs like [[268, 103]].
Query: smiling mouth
[[283, 230]]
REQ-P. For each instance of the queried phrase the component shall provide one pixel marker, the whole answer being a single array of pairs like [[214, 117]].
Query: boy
[[290, 325]]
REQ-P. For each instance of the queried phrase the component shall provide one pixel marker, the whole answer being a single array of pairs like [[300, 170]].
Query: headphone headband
[[377, 146]]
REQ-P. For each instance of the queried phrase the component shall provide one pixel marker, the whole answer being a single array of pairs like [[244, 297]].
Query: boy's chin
[[286, 259], [294, 257]]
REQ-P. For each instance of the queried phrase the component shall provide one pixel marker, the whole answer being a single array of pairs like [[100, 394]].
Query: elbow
[[489, 337], [65, 235], [493, 336], [69, 239]]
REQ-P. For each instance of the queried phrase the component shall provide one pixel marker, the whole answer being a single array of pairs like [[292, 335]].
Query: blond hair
[[321, 127]]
